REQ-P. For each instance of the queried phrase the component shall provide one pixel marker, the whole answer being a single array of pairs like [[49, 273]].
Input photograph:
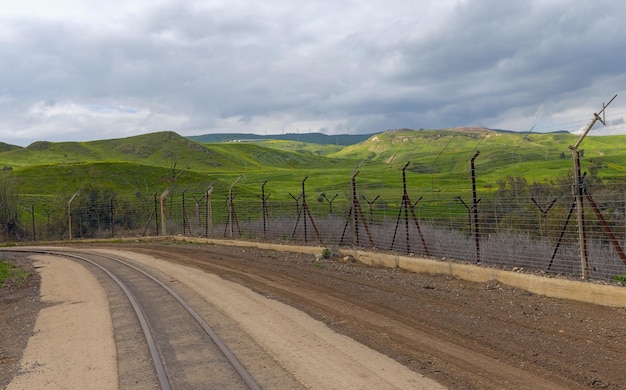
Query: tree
[[9, 201], [92, 210]]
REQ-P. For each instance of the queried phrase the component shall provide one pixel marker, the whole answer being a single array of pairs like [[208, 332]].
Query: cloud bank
[[83, 70]]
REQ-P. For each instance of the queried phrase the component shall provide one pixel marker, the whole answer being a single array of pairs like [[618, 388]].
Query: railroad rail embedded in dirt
[[139, 286]]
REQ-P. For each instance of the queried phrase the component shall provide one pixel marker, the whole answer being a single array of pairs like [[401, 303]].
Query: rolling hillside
[[310, 138], [439, 161], [534, 156], [149, 162], [162, 149]]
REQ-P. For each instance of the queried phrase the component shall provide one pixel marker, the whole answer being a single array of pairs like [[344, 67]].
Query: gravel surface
[[461, 334]]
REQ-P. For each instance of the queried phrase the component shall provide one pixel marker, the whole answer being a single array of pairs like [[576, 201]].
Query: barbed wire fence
[[573, 225], [514, 226]]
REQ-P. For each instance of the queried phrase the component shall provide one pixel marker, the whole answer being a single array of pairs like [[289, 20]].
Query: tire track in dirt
[[434, 351]]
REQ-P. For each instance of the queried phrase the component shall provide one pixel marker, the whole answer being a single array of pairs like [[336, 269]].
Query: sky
[[81, 70]]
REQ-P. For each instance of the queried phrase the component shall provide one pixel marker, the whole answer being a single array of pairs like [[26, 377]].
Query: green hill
[[4, 147], [439, 161], [533, 156], [149, 162], [162, 149], [135, 170]]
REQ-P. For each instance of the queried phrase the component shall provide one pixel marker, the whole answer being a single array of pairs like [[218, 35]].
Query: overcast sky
[[78, 70]]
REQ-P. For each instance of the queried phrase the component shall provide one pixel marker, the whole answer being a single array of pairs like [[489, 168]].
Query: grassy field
[[439, 163]]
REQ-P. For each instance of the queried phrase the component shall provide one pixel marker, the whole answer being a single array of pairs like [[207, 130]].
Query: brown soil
[[19, 305], [463, 335]]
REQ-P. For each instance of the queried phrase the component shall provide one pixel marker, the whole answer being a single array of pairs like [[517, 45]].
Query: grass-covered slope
[[163, 149], [534, 156], [150, 162], [440, 162], [309, 138], [4, 147]]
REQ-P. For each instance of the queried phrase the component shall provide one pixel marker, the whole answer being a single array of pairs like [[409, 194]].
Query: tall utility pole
[[579, 190]]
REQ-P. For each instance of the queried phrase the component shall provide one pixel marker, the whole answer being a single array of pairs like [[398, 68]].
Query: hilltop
[[440, 158], [6, 147], [161, 149], [148, 163], [313, 138]]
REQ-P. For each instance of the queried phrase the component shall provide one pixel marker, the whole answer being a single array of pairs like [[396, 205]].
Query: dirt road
[[463, 335]]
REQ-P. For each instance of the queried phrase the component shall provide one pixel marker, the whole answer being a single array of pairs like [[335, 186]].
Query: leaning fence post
[[208, 216], [469, 214], [579, 190], [264, 207], [329, 201], [407, 206], [232, 214], [69, 214], [544, 214], [605, 226], [163, 218], [185, 224], [156, 214], [354, 205], [112, 216], [358, 212], [304, 206], [475, 207], [371, 204], [32, 212], [297, 200]]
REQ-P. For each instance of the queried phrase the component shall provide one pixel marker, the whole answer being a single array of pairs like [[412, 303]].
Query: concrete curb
[[598, 294], [587, 292]]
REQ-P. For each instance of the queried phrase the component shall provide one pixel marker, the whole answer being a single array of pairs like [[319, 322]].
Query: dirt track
[[463, 335]]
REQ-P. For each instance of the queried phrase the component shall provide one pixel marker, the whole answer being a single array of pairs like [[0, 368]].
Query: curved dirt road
[[463, 335], [291, 350]]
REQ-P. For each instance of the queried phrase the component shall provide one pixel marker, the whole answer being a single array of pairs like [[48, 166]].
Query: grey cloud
[[196, 66], [499, 55]]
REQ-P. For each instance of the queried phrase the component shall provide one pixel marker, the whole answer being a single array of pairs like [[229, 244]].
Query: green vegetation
[[309, 138], [302, 147], [11, 274], [439, 162], [149, 162], [135, 170]]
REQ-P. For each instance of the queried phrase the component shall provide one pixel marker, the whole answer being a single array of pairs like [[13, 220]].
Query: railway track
[[464, 335], [445, 346], [182, 349]]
